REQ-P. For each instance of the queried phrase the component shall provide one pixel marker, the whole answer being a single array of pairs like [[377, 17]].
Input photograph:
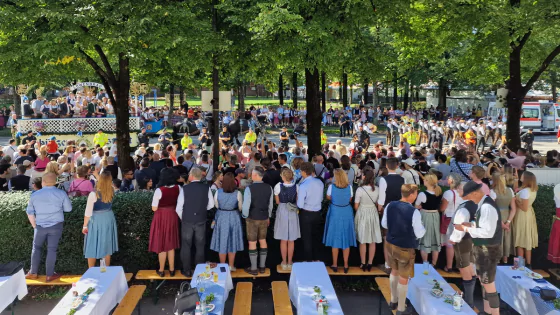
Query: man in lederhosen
[[449, 131], [490, 131], [389, 131], [486, 233], [462, 242], [480, 135], [439, 135]]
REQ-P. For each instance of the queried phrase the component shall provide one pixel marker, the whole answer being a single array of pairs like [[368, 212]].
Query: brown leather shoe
[[31, 276], [53, 277]]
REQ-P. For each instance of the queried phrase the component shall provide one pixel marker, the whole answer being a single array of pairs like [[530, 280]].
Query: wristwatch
[[508, 221], [84, 227]]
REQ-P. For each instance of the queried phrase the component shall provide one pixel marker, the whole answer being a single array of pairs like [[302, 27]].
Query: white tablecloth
[[220, 289], [419, 294], [110, 287], [12, 287], [303, 278], [515, 292]]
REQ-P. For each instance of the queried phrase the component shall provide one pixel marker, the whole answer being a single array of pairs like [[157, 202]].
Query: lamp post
[[22, 92]]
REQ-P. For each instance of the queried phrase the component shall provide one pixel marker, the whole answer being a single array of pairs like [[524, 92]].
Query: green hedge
[[134, 216]]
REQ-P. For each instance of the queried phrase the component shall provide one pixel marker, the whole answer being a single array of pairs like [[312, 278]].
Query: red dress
[[164, 232], [554, 240]]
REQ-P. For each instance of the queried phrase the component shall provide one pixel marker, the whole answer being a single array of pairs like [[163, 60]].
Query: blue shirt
[[48, 205], [310, 194]]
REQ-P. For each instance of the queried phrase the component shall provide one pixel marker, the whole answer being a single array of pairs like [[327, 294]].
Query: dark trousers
[[51, 235], [394, 139], [490, 134], [480, 141], [344, 130], [192, 232], [311, 233]]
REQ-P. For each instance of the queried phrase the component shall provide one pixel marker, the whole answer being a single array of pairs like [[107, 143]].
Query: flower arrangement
[[39, 126], [79, 299], [80, 125]]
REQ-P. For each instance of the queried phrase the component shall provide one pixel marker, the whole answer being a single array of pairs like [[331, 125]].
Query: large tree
[[108, 37]]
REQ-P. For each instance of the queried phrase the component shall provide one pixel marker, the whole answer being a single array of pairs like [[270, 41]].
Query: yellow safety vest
[[185, 142], [323, 139], [411, 137], [251, 138], [100, 138]]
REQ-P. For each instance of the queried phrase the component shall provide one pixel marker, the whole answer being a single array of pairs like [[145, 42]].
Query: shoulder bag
[[186, 299]]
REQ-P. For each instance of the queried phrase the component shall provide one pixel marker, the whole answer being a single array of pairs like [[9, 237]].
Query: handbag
[[547, 294], [445, 220], [186, 299], [10, 268]]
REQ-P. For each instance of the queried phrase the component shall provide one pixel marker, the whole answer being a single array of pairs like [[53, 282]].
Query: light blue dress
[[102, 237], [339, 227], [227, 236]]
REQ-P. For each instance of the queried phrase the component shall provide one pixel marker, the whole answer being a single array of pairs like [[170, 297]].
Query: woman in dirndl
[[525, 233], [100, 226], [227, 237], [286, 226], [164, 231], [505, 200], [554, 240], [368, 230], [429, 202]]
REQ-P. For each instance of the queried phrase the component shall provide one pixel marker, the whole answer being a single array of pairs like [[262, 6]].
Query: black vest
[[260, 199], [399, 225], [196, 202], [432, 202], [20, 182], [497, 238], [394, 183]]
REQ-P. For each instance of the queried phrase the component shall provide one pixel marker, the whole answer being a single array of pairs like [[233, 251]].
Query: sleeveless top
[[227, 201], [340, 197], [169, 196], [287, 194], [503, 200], [99, 205], [432, 201]]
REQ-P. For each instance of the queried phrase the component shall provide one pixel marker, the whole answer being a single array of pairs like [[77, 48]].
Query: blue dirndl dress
[[339, 227], [228, 233], [102, 237]]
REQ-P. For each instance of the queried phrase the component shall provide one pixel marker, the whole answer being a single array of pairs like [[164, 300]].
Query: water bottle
[[320, 310], [102, 265], [198, 309], [203, 307], [457, 301]]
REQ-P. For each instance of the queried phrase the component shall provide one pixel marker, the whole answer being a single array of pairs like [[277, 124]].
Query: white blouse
[[366, 197]]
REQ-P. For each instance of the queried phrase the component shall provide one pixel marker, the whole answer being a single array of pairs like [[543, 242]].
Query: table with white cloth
[[109, 289], [419, 293], [516, 292], [303, 278], [12, 287], [220, 289]]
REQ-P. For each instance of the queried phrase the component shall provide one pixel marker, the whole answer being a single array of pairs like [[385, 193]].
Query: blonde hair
[[157, 146], [498, 183], [52, 167], [529, 181], [287, 174], [43, 151], [104, 162], [340, 178], [68, 149], [104, 187], [408, 189], [431, 181]]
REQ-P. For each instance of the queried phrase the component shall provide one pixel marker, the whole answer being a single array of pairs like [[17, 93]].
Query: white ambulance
[[543, 116]]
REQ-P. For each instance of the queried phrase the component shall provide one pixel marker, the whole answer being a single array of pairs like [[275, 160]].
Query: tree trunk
[[281, 89], [171, 96], [442, 90], [294, 89], [122, 114], [181, 97], [395, 91], [241, 96], [387, 92], [366, 92], [418, 94], [17, 102], [554, 83], [375, 94], [345, 90], [405, 99], [314, 114], [216, 95], [514, 100], [323, 91]]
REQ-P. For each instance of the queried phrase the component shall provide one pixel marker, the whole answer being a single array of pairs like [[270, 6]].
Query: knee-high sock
[[394, 281], [402, 288], [262, 255], [468, 288], [253, 258]]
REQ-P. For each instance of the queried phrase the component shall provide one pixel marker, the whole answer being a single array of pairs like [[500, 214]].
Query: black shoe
[[405, 312], [346, 269], [393, 306], [262, 270], [369, 266], [160, 273], [363, 267], [335, 269], [251, 271], [187, 273], [172, 273]]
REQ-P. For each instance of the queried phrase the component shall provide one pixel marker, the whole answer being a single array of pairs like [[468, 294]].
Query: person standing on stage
[[404, 227], [486, 233], [309, 201], [194, 200]]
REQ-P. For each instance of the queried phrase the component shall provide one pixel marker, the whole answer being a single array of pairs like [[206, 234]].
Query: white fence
[[70, 125], [546, 176]]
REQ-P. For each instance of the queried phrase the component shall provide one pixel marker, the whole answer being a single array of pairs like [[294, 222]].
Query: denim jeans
[[51, 235]]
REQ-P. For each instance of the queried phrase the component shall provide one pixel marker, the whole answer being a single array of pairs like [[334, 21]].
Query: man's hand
[[459, 227], [268, 222]]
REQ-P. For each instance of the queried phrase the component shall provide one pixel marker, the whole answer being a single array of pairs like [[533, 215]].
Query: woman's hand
[[85, 230]]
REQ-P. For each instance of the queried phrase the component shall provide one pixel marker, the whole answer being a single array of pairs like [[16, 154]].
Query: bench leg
[[155, 289]]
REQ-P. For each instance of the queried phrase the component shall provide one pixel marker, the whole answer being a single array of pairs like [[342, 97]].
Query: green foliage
[[544, 210]]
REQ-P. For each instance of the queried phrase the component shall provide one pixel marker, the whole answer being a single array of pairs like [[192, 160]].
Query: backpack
[[319, 176]]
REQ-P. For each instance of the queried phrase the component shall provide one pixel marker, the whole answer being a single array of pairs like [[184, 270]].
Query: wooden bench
[[64, 280], [153, 277], [454, 286], [243, 298], [130, 300], [457, 275], [281, 298], [385, 288], [352, 271]]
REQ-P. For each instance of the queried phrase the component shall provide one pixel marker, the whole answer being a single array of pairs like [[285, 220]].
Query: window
[[558, 112], [530, 113]]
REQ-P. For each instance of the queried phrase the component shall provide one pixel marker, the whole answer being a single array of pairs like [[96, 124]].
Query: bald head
[[49, 179]]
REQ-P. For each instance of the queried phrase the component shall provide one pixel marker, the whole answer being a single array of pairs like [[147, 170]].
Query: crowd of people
[[477, 203]]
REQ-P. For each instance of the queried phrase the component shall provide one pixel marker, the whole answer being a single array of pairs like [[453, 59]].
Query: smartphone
[[92, 167], [222, 269]]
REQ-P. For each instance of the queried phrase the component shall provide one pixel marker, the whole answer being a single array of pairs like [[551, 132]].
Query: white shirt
[[452, 204], [488, 221], [181, 201], [113, 150], [366, 197], [383, 190], [524, 193], [419, 229], [277, 188], [461, 217], [10, 150], [411, 177], [157, 196]]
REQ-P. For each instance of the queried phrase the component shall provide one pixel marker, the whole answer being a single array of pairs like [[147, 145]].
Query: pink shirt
[[517, 161], [485, 188]]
